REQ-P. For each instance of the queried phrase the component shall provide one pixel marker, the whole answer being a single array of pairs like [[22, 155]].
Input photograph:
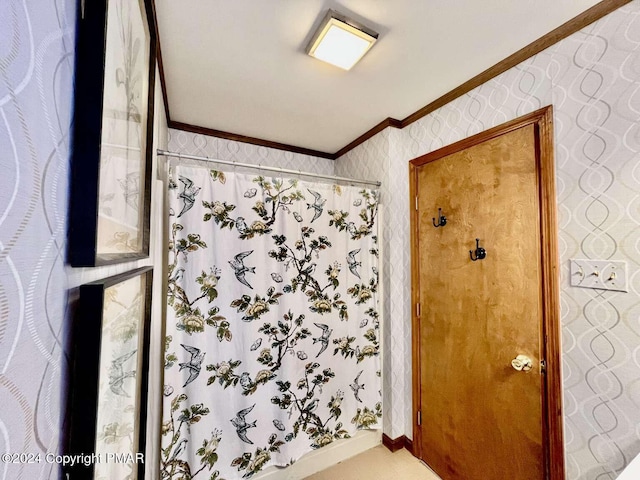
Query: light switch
[[601, 274]]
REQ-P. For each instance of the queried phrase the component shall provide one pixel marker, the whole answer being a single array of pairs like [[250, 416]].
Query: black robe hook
[[442, 220], [480, 252]]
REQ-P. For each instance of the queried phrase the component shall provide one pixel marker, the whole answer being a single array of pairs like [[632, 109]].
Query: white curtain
[[272, 343]]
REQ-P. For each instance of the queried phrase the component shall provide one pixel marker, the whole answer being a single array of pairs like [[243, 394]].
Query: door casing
[[542, 120]]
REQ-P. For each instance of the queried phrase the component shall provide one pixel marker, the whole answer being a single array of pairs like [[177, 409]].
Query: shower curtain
[[272, 328]]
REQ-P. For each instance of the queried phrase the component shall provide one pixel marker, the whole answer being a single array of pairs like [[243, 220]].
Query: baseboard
[[393, 444], [325, 457], [408, 444], [397, 443]]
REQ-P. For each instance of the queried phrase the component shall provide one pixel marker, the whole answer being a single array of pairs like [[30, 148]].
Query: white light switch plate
[[601, 274]]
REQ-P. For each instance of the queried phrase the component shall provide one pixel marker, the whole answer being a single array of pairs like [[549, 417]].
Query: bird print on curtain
[[272, 330]]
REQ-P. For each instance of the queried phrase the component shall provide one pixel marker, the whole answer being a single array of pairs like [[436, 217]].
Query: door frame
[[552, 428]]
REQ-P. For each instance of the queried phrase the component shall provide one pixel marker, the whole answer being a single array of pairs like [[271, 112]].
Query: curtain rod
[[166, 153]]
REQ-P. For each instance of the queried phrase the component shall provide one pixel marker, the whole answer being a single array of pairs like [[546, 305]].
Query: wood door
[[481, 419]]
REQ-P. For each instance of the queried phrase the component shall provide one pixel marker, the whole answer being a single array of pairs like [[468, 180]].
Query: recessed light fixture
[[341, 41]]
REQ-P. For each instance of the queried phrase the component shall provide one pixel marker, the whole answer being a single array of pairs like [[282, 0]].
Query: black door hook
[[480, 252], [442, 220]]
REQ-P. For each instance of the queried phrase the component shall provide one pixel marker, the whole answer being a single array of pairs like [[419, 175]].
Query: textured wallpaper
[[228, 150], [593, 81], [37, 289], [36, 75]]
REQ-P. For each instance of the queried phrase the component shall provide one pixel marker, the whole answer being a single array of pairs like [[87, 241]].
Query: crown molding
[[245, 139], [563, 31]]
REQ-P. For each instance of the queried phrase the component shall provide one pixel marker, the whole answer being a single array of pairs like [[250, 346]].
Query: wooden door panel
[[481, 418]]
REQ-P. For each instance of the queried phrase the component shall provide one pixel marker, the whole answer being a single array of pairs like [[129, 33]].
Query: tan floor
[[378, 464]]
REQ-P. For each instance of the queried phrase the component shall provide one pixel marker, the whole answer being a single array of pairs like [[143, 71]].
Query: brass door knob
[[522, 363]]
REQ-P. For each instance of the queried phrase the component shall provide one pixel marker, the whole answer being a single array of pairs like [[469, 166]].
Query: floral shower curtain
[[272, 330]]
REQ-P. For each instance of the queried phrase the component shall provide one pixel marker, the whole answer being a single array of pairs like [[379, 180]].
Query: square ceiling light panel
[[341, 41]]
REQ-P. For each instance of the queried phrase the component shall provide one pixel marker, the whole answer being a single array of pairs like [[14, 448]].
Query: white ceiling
[[239, 65]]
